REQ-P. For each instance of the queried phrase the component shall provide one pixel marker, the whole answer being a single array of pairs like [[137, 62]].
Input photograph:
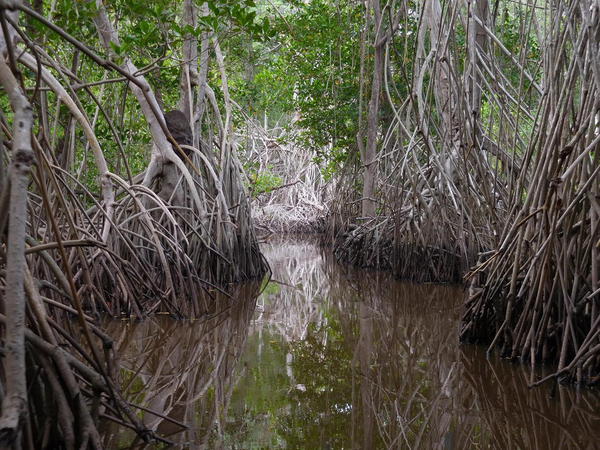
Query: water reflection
[[549, 417], [332, 357], [180, 373]]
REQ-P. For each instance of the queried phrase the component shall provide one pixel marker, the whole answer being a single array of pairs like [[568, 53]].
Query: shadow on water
[[335, 357]]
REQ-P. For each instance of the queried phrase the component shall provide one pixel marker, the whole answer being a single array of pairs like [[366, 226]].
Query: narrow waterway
[[331, 357]]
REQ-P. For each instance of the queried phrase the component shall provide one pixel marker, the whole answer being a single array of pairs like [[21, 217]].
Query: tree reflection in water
[[182, 370], [517, 417], [336, 357]]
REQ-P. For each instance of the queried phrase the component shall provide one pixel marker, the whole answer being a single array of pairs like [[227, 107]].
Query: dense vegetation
[[430, 138]]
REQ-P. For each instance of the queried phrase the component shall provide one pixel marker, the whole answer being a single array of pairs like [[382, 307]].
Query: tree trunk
[[14, 403], [189, 71], [477, 43], [369, 161]]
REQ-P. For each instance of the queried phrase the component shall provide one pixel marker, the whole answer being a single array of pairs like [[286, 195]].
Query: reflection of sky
[[335, 357]]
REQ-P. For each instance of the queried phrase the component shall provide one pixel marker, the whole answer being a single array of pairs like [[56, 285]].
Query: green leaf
[[116, 48]]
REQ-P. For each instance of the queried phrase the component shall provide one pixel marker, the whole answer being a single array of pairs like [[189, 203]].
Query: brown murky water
[[330, 357]]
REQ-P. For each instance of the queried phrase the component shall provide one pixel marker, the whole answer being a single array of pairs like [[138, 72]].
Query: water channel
[[332, 357]]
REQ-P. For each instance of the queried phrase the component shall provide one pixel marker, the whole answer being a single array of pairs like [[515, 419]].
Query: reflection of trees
[[407, 379], [414, 387], [271, 407], [379, 369], [541, 418], [318, 414], [299, 288], [182, 370], [339, 358], [406, 383]]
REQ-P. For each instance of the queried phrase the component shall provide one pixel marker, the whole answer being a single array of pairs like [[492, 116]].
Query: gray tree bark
[[189, 72], [477, 44], [369, 160], [14, 403]]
